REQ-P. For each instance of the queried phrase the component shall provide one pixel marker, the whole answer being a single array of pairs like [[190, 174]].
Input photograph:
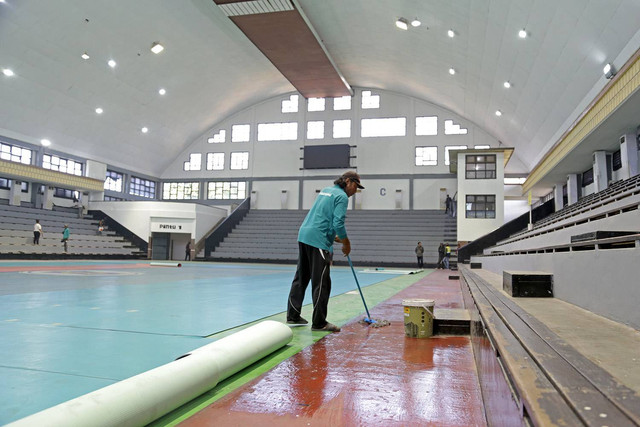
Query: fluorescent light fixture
[[156, 47], [498, 113], [415, 22], [514, 181], [507, 85], [402, 24], [522, 33], [112, 63], [162, 91], [451, 33], [144, 130], [452, 71], [7, 72], [45, 142], [609, 71], [85, 56], [99, 110]]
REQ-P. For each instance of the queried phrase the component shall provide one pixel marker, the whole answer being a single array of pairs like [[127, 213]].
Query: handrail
[[225, 227]]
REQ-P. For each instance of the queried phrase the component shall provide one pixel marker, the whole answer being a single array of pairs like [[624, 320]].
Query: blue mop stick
[[368, 319]]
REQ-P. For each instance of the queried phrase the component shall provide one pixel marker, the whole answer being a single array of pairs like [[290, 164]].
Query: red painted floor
[[366, 376]]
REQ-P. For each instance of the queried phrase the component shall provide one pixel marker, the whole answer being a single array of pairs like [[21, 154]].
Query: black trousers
[[420, 261], [313, 264], [36, 237]]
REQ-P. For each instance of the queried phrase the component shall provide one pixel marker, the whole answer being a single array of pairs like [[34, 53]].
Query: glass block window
[[315, 104], [13, 153], [240, 133], [315, 129], [290, 105], [181, 190], [449, 148], [142, 187], [395, 126], [113, 181], [239, 160], [63, 165], [426, 156], [480, 206], [426, 126], [278, 131], [342, 129], [215, 161], [194, 163], [342, 103], [480, 166], [218, 138], [451, 128], [226, 190], [369, 100]]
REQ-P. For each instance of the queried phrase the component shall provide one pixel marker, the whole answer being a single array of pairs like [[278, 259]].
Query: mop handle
[[357, 283]]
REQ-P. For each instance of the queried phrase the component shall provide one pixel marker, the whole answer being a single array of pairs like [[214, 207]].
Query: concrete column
[[628, 156], [557, 196], [15, 193], [47, 197], [572, 188], [600, 171]]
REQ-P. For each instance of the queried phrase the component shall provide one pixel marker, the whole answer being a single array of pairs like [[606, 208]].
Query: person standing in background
[[37, 232], [440, 255], [187, 251], [65, 236], [420, 254], [447, 255]]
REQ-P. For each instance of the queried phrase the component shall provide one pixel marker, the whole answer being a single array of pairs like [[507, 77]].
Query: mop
[[376, 323]]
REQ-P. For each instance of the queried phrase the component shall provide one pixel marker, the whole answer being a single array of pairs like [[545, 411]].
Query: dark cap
[[351, 175]]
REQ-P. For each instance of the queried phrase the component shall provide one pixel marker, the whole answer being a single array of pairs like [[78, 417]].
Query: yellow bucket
[[418, 317]]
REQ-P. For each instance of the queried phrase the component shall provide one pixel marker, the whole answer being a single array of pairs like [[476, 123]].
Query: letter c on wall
[[383, 191]]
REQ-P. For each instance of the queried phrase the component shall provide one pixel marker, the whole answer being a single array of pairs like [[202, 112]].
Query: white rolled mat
[[143, 398]]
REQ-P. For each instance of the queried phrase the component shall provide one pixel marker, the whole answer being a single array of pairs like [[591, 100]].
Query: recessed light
[[452, 71], [522, 33], [45, 142], [498, 113], [415, 22], [144, 130], [162, 91], [156, 47], [99, 110], [7, 72], [402, 24], [507, 85], [112, 63], [85, 56], [451, 33]]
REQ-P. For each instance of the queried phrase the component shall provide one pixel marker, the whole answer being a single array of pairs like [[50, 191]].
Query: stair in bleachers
[[378, 238]]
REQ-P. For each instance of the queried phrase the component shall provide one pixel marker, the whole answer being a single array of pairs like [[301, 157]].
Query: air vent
[[255, 7]]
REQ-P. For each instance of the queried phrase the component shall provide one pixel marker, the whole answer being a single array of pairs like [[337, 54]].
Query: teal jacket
[[65, 233], [325, 220]]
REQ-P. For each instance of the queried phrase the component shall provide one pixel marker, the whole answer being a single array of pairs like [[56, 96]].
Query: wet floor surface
[[366, 376]]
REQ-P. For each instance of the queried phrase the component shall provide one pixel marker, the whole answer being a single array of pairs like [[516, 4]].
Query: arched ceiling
[[210, 69]]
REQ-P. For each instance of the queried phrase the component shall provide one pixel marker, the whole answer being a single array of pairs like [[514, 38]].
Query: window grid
[[215, 161], [218, 138], [113, 181], [61, 164], [194, 163], [239, 160], [426, 156], [287, 131], [181, 190], [226, 190], [480, 206], [13, 153], [142, 187], [480, 166]]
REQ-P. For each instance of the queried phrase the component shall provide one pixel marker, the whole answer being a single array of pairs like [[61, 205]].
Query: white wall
[[269, 194], [514, 208], [426, 192]]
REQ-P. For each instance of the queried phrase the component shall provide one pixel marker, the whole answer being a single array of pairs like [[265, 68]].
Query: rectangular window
[[240, 133], [616, 160], [342, 129], [113, 199], [480, 166], [239, 160], [4, 183], [215, 161], [315, 129], [142, 187], [448, 148], [278, 131], [61, 164], [290, 105], [426, 156], [218, 138], [514, 181], [369, 100], [342, 103], [587, 177], [13, 153], [194, 163], [481, 147], [113, 181], [63, 193], [395, 126], [225, 190], [426, 125], [315, 104], [480, 206], [451, 128], [181, 190]]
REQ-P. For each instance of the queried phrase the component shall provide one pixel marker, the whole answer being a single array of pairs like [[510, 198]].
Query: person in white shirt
[[37, 232]]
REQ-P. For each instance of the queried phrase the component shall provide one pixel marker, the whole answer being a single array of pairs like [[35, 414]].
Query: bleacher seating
[[377, 237], [16, 235]]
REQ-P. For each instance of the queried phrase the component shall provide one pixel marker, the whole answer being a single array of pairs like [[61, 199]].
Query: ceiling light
[[7, 72], [85, 56], [45, 142], [415, 22], [156, 48], [452, 71], [162, 91], [112, 63], [609, 71], [498, 113], [99, 110], [522, 33], [507, 85], [451, 33], [144, 130], [402, 24]]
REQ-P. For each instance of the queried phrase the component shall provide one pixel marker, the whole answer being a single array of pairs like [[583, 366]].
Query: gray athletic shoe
[[298, 321], [329, 327]]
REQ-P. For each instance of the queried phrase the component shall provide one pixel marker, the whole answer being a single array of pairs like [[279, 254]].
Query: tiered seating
[[16, 234], [377, 237]]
